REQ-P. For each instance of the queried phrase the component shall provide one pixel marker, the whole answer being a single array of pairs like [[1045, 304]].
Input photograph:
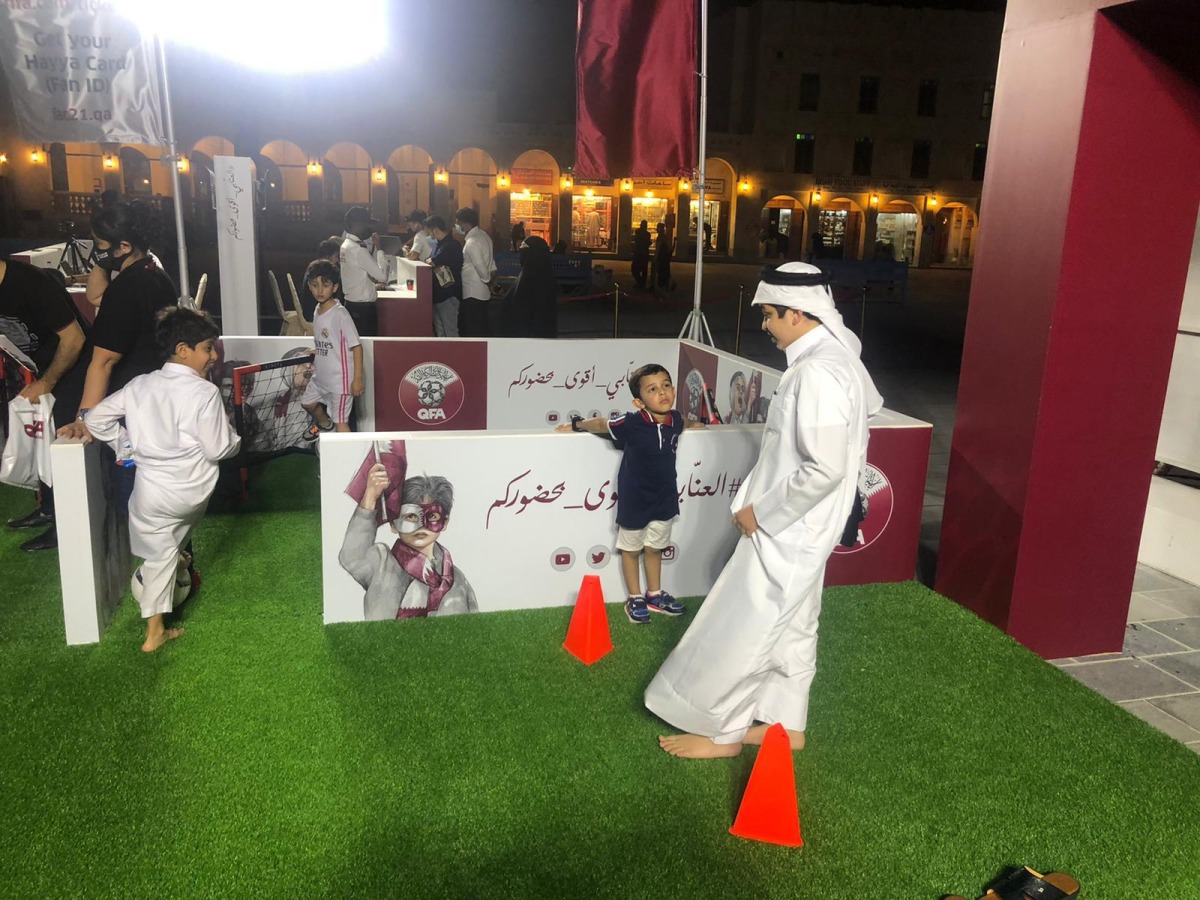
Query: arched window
[[135, 171]]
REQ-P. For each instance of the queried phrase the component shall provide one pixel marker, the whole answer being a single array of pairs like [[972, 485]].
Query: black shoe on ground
[[47, 540], [36, 519]]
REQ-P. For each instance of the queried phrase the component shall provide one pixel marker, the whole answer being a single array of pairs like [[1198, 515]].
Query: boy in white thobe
[[748, 659], [178, 431]]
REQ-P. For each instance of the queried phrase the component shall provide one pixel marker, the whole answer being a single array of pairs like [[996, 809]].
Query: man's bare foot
[[154, 641], [693, 746], [756, 734]]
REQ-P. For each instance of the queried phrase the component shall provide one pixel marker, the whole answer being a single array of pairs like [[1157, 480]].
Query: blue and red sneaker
[[636, 612], [664, 603]]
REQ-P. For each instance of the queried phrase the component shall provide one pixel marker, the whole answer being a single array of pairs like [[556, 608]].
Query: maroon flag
[[635, 88]]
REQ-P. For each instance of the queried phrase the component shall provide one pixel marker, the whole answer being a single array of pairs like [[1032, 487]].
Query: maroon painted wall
[[1070, 332]]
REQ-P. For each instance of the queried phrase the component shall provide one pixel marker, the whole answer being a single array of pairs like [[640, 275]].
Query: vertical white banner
[[236, 244], [79, 72]]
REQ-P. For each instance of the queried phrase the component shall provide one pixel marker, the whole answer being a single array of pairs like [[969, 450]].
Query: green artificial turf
[[267, 755]]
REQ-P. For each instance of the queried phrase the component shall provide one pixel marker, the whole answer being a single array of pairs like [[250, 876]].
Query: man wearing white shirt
[[422, 244], [479, 268], [359, 269]]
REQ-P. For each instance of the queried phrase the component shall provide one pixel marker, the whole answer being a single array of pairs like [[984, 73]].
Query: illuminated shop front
[[594, 217], [897, 232], [535, 185]]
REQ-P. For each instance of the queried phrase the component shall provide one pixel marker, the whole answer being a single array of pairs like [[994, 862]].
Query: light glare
[[268, 35]]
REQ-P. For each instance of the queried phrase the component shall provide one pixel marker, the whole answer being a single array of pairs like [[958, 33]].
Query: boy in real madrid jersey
[[647, 492], [330, 395]]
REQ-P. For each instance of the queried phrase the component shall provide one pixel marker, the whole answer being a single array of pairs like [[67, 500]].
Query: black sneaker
[[48, 540], [36, 519]]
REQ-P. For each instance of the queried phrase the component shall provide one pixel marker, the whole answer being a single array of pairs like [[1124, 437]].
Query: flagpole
[[185, 288], [696, 328]]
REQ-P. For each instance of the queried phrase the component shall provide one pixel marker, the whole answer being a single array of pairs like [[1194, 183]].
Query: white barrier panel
[[1171, 531], [534, 513], [233, 185], [94, 560], [539, 383]]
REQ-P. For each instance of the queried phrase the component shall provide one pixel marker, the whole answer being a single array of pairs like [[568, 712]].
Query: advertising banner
[[518, 520], [233, 180], [741, 389], [80, 72], [539, 383], [435, 385]]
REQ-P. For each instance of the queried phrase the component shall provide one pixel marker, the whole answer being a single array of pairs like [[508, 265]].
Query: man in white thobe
[[748, 659]]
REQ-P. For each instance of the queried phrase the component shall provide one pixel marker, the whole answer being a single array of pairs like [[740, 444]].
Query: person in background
[[518, 236], [37, 315], [664, 249], [447, 262], [640, 266], [121, 344], [178, 431], [330, 250], [360, 272], [421, 246], [478, 272], [329, 396], [531, 308]]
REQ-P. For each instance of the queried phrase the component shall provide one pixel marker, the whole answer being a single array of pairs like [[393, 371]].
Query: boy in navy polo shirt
[[647, 492]]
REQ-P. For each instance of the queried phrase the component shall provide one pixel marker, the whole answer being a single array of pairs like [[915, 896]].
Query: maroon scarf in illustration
[[439, 583]]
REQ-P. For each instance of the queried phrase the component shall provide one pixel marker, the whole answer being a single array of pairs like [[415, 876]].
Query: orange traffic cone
[[588, 637], [768, 811]]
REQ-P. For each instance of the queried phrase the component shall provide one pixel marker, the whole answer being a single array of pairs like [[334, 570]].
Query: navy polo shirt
[[646, 484]]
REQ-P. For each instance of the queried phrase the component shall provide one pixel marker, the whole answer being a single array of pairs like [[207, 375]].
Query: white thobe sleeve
[[821, 436], [361, 257], [104, 419], [217, 438]]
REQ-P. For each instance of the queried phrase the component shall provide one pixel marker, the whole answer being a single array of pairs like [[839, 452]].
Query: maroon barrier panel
[[897, 460], [1073, 313], [408, 316], [434, 385]]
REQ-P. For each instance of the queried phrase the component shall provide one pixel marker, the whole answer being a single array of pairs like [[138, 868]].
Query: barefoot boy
[[749, 657], [330, 395], [178, 430], [647, 492]]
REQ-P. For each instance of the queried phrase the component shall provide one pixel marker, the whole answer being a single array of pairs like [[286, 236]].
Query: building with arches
[[864, 124]]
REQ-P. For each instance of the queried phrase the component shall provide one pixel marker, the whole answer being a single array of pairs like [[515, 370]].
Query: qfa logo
[[877, 493], [431, 393]]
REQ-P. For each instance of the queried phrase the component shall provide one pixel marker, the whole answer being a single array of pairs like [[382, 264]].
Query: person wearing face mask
[[99, 276], [360, 270], [121, 345], [416, 577], [478, 271]]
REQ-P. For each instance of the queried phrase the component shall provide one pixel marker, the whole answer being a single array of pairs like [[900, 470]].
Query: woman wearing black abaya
[[531, 307]]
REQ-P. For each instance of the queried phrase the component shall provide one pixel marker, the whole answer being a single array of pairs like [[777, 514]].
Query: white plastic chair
[[199, 301], [304, 323], [291, 320]]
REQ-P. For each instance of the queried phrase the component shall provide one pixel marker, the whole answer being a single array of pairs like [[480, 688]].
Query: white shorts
[[656, 536], [337, 405]]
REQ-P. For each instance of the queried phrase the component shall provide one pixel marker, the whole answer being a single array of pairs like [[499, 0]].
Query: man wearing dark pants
[[360, 271], [37, 315], [478, 271]]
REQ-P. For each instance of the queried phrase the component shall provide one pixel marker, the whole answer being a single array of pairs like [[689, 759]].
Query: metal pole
[[616, 306], [697, 316], [737, 335], [185, 287]]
